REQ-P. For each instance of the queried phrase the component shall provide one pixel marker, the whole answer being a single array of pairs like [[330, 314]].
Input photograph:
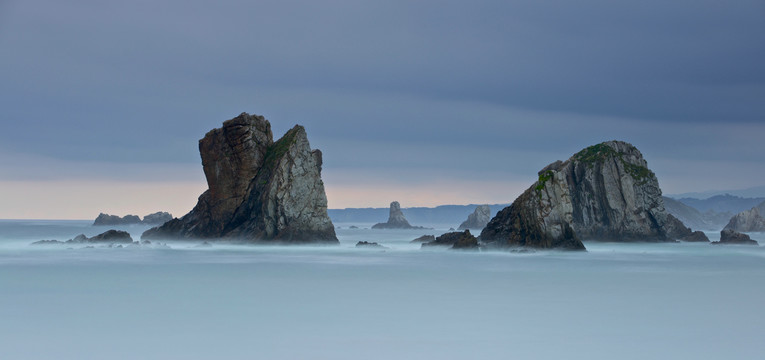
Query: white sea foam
[[616, 301]]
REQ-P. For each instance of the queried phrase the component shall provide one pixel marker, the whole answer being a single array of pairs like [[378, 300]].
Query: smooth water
[[616, 301]]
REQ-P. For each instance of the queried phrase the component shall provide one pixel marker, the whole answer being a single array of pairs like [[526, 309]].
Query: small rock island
[[396, 219], [605, 192], [259, 190]]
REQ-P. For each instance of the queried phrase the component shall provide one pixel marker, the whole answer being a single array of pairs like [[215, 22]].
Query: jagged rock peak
[[747, 221], [603, 192], [396, 219], [258, 189], [478, 219]]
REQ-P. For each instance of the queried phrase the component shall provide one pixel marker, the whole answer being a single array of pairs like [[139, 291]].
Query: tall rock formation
[[478, 219], [604, 192], [259, 190], [747, 221], [396, 219]]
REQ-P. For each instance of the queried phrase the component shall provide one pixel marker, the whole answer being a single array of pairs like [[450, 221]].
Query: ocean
[[615, 301]]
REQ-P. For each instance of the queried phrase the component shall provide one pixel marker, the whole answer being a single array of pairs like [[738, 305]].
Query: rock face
[[259, 190], [478, 219], [157, 218], [747, 221], [604, 192], [729, 236], [396, 219]]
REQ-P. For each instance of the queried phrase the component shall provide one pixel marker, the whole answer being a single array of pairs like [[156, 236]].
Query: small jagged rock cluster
[[478, 219], [107, 237], [747, 221], [372, 245], [605, 192], [259, 190], [732, 237], [156, 218], [396, 219], [455, 240], [675, 229]]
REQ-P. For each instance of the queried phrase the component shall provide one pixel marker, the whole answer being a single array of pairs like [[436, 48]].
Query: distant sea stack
[[157, 218], [258, 190], [747, 221], [732, 237], [478, 219], [396, 219], [604, 192]]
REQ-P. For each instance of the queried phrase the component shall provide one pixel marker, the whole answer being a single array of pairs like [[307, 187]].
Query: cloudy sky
[[425, 102]]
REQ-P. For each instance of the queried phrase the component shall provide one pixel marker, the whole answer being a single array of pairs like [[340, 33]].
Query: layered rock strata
[[259, 190], [605, 192], [478, 219]]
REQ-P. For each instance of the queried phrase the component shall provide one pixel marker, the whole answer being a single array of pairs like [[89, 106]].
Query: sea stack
[[259, 190], [605, 192], [747, 221], [478, 219], [396, 219]]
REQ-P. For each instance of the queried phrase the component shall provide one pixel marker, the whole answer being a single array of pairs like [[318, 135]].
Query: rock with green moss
[[604, 192], [259, 190]]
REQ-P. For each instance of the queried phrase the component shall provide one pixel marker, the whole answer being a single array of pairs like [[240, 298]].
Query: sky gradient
[[426, 102]]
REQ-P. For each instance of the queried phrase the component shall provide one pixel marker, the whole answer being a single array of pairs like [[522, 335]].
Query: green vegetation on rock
[[601, 152]]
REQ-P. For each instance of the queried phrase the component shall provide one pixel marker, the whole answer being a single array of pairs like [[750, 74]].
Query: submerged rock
[[366, 244], [604, 192], [108, 237], [396, 219], [478, 219], [424, 239], [747, 221], [259, 190], [732, 237]]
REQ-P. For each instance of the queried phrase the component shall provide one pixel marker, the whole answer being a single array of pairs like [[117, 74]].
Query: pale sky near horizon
[[425, 102]]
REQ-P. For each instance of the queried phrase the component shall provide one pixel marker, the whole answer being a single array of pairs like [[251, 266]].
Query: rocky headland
[[478, 219], [605, 192], [259, 190], [396, 219]]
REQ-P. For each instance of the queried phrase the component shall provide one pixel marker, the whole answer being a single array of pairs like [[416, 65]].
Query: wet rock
[[675, 229], [455, 240]]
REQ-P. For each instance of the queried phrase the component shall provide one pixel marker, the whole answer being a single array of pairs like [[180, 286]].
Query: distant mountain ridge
[[753, 192], [723, 203], [709, 220], [443, 214]]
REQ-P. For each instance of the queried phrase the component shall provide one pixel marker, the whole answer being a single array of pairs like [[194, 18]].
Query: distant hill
[[723, 203], [444, 214], [696, 220], [754, 192]]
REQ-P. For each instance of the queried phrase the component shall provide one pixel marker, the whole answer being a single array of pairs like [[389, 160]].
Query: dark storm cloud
[[142, 81]]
